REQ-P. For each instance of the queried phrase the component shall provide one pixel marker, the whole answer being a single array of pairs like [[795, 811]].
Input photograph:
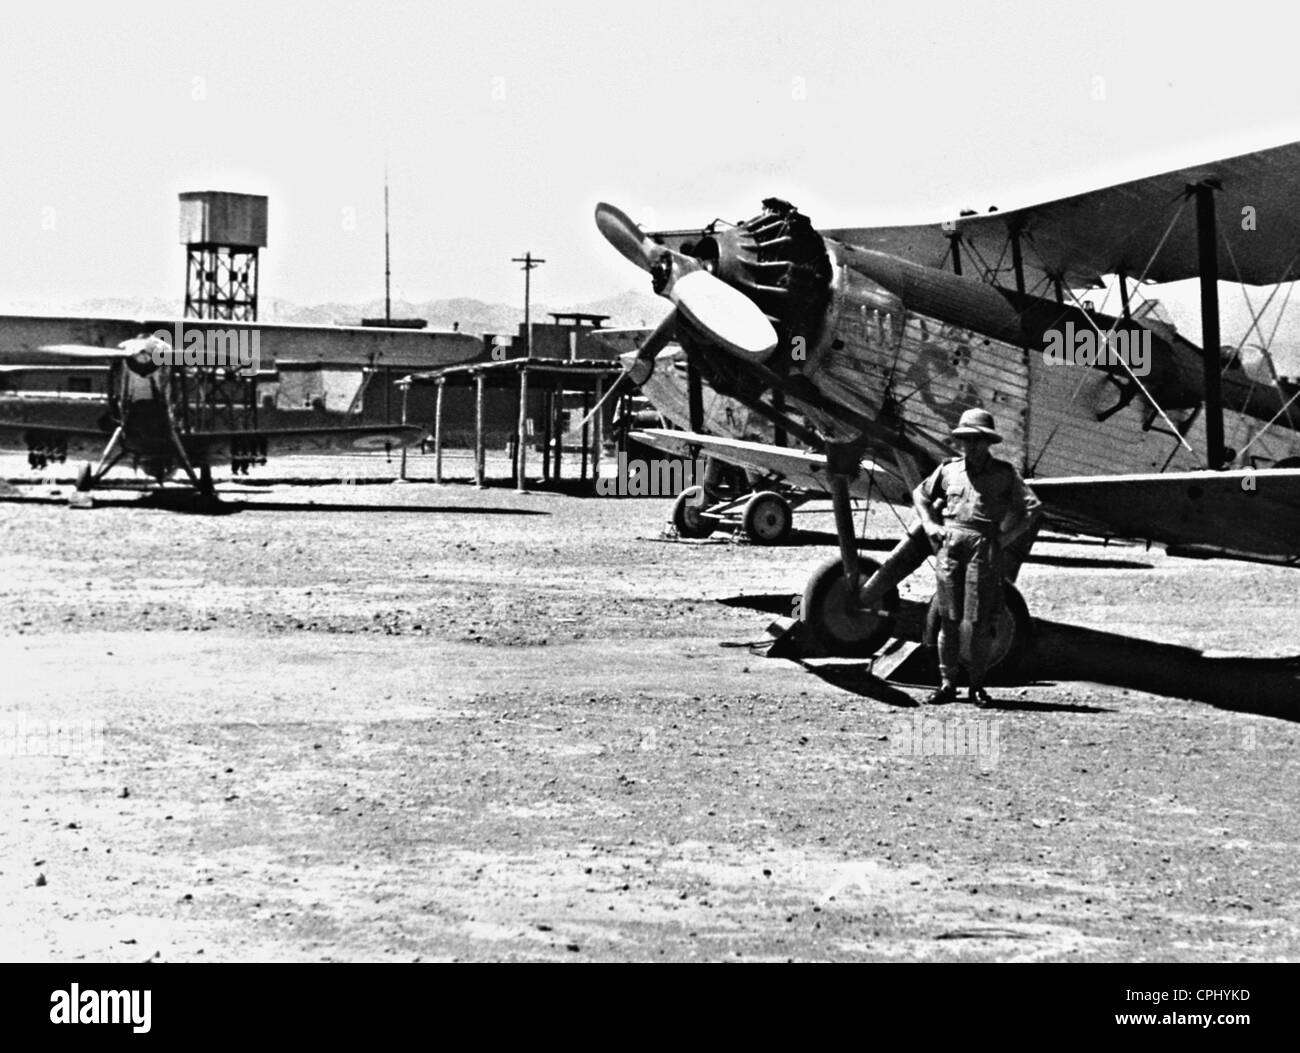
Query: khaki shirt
[[981, 501]]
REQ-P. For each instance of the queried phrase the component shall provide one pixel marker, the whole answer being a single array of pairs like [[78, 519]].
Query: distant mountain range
[[630, 309]]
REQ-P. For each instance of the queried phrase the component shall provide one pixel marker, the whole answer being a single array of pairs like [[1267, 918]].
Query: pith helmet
[[976, 424]]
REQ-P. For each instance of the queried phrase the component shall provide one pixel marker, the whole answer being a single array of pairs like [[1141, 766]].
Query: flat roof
[[579, 374]]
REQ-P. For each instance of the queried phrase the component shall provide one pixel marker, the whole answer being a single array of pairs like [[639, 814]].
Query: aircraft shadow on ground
[[1265, 686], [1091, 562], [810, 538], [186, 503], [320, 506], [768, 602], [802, 538]]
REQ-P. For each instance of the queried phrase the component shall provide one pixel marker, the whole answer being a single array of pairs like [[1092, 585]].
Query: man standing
[[985, 506]]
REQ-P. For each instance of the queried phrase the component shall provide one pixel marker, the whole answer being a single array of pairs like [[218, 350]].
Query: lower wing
[[74, 434], [1244, 514], [363, 438], [796, 468]]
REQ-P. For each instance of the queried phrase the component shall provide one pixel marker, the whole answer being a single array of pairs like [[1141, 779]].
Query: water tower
[[221, 233]]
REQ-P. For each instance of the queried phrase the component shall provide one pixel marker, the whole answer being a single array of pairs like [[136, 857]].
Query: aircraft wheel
[[834, 617], [83, 477], [767, 518], [689, 519], [1012, 632]]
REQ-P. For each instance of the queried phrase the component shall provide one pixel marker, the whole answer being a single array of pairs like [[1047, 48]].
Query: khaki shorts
[[969, 576]]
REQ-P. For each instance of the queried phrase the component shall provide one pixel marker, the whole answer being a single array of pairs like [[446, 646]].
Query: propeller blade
[[644, 362], [621, 232], [722, 314], [638, 365], [729, 317], [613, 388]]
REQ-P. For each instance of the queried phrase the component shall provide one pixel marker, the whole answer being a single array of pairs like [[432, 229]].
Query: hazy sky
[[503, 124]]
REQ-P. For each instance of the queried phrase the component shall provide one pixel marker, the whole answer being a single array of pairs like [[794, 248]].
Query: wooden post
[[521, 448], [478, 431], [586, 408], [598, 432], [624, 408], [557, 412], [548, 414], [406, 391], [437, 432]]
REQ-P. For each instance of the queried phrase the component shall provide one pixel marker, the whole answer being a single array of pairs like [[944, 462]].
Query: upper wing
[[1250, 515], [64, 367], [1120, 228], [797, 468], [68, 354]]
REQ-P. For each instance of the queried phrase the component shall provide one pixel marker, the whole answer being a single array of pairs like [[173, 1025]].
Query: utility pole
[[529, 261]]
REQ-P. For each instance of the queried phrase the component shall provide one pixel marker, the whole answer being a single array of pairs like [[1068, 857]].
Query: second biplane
[[163, 416]]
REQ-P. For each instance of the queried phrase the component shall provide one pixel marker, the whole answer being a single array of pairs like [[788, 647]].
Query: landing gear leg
[[205, 493], [832, 609], [88, 477], [848, 537]]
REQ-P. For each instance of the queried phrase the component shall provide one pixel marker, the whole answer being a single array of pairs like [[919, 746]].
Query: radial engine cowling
[[780, 262]]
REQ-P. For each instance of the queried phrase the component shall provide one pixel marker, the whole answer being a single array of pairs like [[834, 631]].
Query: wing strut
[[954, 244], [1207, 247], [1174, 429], [1017, 260]]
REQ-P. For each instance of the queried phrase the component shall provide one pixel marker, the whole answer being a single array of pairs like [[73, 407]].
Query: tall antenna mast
[[388, 299]]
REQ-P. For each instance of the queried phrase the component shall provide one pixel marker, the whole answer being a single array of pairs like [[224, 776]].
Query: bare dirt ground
[[399, 722]]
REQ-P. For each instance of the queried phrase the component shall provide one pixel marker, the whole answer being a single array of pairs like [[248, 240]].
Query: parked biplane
[[163, 415], [879, 338]]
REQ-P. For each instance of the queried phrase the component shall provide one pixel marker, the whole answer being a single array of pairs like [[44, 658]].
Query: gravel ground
[[362, 720]]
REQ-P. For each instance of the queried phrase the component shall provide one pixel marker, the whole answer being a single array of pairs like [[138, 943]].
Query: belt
[[988, 530]]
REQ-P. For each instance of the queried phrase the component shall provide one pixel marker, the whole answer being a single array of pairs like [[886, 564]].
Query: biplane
[[867, 344], [167, 417]]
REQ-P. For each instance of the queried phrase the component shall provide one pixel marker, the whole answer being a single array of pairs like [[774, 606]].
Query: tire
[[767, 518], [83, 477], [688, 518], [1012, 633], [839, 629]]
